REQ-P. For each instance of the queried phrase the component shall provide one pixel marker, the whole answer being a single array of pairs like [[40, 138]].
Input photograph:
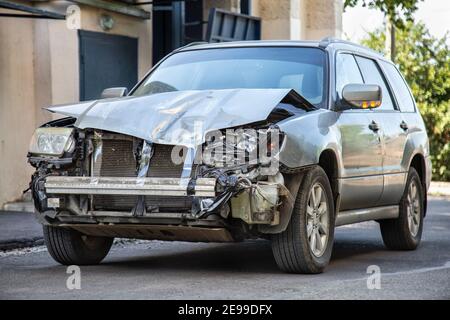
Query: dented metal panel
[[179, 117]]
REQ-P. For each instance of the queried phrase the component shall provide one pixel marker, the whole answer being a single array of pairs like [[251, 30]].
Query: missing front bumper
[[203, 187], [156, 232], [256, 204]]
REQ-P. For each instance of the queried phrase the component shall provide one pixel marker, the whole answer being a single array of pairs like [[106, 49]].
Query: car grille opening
[[118, 160]]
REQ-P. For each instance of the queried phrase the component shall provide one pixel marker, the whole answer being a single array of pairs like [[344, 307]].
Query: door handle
[[374, 126], [404, 125]]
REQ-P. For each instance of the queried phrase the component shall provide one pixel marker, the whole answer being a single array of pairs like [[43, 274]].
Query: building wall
[[64, 55], [280, 19], [39, 64], [299, 19], [126, 26], [322, 18], [17, 105], [39, 67]]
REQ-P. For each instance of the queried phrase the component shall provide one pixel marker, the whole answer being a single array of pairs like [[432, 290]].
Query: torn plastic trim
[[181, 117], [230, 185], [145, 156], [144, 161]]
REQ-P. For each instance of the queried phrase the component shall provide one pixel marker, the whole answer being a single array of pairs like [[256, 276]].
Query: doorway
[[106, 61], [175, 24]]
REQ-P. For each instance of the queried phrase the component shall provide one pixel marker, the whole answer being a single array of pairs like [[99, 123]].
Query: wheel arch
[[328, 160], [418, 163]]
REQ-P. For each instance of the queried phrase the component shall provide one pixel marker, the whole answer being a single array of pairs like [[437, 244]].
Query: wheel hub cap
[[317, 220], [413, 209]]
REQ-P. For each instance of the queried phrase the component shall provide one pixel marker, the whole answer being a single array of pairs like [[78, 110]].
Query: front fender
[[307, 136], [417, 143]]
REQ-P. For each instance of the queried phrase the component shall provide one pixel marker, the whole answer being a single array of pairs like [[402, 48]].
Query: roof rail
[[325, 42], [195, 43], [328, 40]]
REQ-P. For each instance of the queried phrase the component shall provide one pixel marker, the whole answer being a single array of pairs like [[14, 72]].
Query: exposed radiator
[[118, 160]]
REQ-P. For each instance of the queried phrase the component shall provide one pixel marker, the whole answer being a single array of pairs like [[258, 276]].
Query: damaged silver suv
[[225, 142]]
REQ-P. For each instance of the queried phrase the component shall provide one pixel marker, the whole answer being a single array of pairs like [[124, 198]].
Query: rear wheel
[[68, 246], [306, 245], [405, 232]]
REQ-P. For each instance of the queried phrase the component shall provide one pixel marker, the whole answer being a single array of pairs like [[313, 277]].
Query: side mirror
[[114, 92], [362, 96]]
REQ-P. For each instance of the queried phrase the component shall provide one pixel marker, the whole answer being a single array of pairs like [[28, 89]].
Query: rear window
[[401, 90]]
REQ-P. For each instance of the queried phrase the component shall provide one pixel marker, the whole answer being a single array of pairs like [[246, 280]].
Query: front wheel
[[405, 232], [70, 247], [306, 245]]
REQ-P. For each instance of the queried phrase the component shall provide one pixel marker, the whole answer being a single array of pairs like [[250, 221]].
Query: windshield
[[302, 69]]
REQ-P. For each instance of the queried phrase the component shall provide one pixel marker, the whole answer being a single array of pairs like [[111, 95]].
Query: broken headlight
[[242, 146], [247, 142], [52, 141]]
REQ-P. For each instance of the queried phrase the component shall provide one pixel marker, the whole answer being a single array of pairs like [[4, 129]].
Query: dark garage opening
[[106, 60], [178, 23], [175, 24]]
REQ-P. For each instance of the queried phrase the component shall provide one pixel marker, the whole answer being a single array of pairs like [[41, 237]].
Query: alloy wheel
[[317, 220], [413, 208]]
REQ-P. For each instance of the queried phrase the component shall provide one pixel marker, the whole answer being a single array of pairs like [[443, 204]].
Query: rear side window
[[401, 90], [347, 71], [371, 74]]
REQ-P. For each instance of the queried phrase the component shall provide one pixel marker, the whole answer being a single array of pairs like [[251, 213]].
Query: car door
[[393, 136], [406, 122], [361, 177]]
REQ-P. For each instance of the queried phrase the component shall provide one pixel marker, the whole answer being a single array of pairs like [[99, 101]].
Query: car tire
[[293, 249], [405, 232], [70, 247]]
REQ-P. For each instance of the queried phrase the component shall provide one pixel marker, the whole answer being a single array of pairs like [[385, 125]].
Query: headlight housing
[[52, 141], [242, 146], [247, 142]]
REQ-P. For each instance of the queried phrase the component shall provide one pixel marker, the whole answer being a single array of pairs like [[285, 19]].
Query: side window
[[372, 75], [401, 91], [347, 71]]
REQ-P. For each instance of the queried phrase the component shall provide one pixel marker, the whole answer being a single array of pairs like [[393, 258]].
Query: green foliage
[[392, 8], [425, 63]]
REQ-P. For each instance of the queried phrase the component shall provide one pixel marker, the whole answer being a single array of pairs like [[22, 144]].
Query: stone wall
[[299, 19], [17, 105]]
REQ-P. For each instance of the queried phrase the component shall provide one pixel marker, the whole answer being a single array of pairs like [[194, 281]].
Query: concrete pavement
[[176, 270], [439, 189], [19, 229]]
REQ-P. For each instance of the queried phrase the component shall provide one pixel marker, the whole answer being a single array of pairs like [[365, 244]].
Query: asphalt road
[[162, 270]]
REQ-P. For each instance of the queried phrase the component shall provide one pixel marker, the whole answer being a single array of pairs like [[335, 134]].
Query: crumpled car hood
[[179, 117]]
